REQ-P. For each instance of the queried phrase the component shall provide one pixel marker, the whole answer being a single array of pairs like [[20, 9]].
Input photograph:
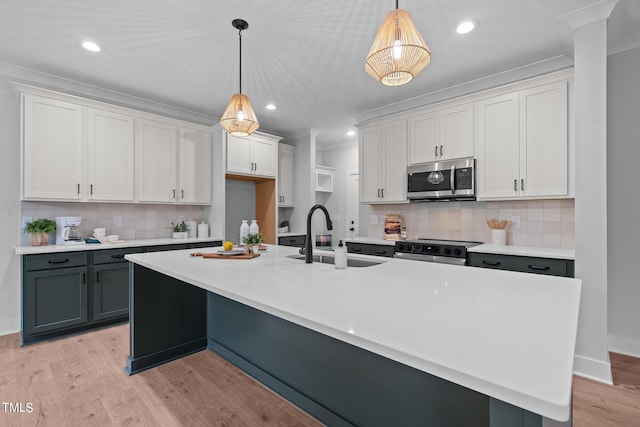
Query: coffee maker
[[68, 230]]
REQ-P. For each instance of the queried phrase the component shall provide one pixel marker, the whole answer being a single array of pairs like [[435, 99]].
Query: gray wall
[[9, 207], [240, 204], [623, 175]]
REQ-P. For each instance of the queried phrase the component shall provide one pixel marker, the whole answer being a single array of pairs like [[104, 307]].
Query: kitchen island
[[402, 342]]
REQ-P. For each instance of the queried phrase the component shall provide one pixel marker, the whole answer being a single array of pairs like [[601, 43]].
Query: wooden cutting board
[[220, 256]]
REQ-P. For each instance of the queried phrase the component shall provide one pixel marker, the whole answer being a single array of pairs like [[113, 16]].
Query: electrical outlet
[[515, 221], [117, 220], [373, 219]]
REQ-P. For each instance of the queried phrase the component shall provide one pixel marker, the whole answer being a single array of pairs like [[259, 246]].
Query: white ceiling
[[306, 56]]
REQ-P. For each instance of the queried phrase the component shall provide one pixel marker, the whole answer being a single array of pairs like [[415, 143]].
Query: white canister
[[203, 230], [499, 237], [244, 230], [192, 228]]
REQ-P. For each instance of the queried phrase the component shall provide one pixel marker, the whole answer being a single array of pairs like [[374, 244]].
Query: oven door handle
[[452, 179]]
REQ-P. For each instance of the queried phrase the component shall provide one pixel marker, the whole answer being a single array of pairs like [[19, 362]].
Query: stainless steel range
[[433, 250]]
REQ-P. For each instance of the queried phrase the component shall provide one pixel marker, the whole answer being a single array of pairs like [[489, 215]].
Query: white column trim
[[589, 14]]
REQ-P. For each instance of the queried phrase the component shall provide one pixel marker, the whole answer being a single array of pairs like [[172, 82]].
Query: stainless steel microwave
[[442, 180]]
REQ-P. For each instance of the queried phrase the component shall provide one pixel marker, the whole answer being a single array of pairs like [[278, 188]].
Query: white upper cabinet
[[76, 149], [174, 163], [256, 154], [110, 156], [156, 164], [383, 162], [195, 177], [522, 144], [285, 175], [440, 134], [52, 156]]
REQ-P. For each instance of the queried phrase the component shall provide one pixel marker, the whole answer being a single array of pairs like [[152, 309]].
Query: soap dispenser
[[340, 260]]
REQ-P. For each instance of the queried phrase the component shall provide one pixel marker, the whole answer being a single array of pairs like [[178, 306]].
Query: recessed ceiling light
[[271, 106], [351, 133], [466, 27], [91, 46]]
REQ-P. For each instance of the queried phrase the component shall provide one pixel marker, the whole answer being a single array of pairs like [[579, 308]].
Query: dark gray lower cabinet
[[54, 299], [297, 241], [67, 292], [536, 265], [370, 249]]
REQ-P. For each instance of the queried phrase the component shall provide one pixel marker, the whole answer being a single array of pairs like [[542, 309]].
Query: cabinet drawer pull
[[441, 151], [522, 184], [97, 276], [182, 194], [539, 267], [58, 261], [78, 188], [84, 278], [91, 189], [382, 192], [174, 194], [436, 152], [380, 252], [356, 250], [515, 185], [493, 263], [117, 256]]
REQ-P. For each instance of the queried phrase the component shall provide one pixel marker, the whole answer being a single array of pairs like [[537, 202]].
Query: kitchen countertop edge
[[33, 250]]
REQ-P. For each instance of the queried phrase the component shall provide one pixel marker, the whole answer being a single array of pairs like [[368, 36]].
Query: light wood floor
[[80, 381]]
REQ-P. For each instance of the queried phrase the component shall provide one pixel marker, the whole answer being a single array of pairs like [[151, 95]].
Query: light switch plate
[[515, 221], [117, 220], [373, 219]]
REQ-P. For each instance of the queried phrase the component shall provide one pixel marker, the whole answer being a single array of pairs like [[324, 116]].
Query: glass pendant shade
[[399, 53], [238, 118]]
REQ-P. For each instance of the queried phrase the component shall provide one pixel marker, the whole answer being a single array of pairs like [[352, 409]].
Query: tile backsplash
[[139, 221], [543, 223]]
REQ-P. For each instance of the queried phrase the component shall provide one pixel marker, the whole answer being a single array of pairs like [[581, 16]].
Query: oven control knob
[[457, 251], [447, 251]]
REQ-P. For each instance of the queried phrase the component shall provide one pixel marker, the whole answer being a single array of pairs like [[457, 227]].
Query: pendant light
[[238, 118], [399, 53]]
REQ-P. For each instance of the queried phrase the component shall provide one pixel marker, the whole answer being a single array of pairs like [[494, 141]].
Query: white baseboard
[[593, 369], [623, 345], [9, 326]]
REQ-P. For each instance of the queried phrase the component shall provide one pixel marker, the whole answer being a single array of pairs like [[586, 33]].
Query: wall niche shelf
[[324, 178]]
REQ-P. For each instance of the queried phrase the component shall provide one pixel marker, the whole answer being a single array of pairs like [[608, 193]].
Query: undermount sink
[[329, 259]]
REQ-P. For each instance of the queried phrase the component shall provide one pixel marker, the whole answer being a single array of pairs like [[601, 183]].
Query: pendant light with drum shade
[[238, 118], [399, 53]]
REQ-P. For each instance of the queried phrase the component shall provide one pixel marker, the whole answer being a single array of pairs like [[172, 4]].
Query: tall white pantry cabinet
[[81, 150]]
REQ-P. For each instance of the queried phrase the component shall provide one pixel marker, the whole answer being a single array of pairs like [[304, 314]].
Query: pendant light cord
[[396, 4], [240, 72]]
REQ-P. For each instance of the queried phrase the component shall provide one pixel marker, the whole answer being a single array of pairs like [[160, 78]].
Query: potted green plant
[[284, 227], [180, 230], [252, 241], [39, 230]]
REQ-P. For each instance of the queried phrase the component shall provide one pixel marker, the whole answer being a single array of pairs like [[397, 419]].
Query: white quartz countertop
[[30, 250], [290, 233], [505, 334], [558, 253]]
